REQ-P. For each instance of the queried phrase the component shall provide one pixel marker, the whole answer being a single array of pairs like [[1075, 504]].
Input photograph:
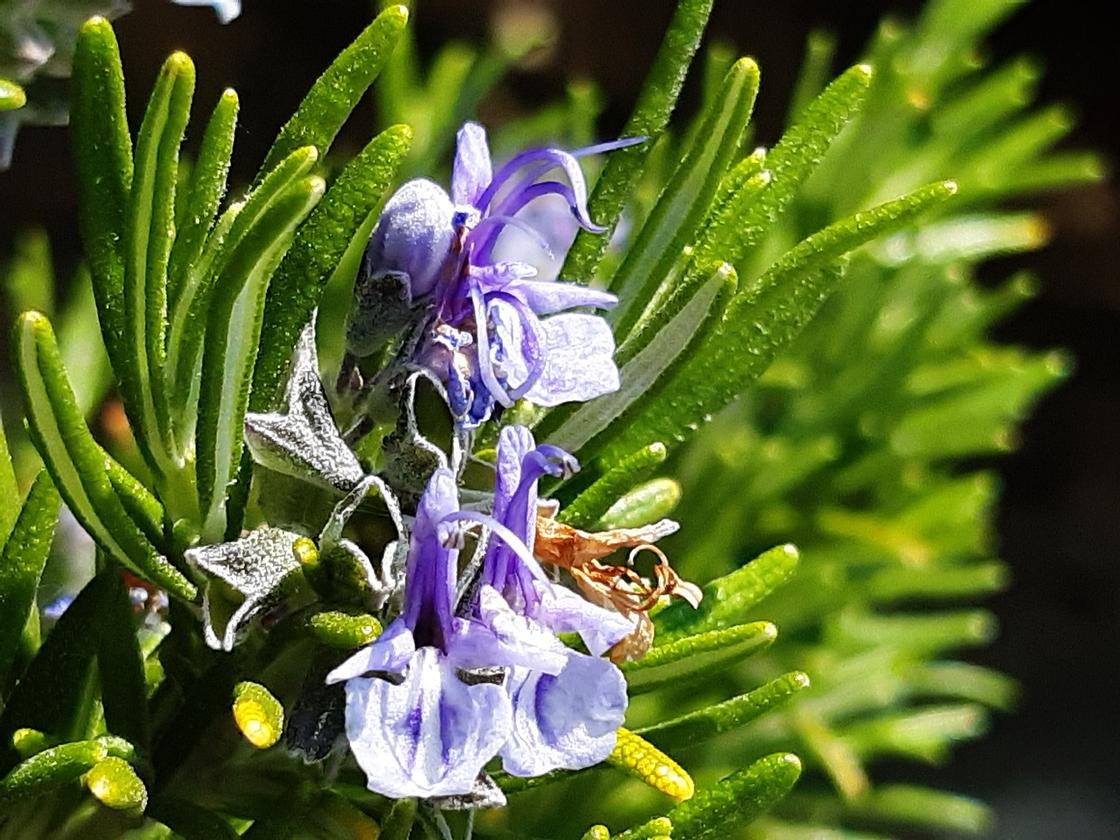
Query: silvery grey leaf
[[258, 566], [484, 794], [304, 442]]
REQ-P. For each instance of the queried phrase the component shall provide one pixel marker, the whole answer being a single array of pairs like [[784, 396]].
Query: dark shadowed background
[[1050, 769]]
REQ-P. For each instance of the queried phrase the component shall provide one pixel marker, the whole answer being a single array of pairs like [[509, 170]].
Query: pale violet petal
[[472, 170], [390, 652], [504, 638], [563, 611], [548, 296], [429, 735], [578, 360], [567, 721]]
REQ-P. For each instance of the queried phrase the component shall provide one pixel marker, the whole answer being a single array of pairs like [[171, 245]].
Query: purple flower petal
[[579, 360], [502, 637], [545, 297], [563, 611], [389, 652], [471, 172], [565, 721], [428, 736]]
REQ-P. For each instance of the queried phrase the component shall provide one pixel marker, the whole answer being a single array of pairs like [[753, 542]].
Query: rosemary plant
[[384, 547]]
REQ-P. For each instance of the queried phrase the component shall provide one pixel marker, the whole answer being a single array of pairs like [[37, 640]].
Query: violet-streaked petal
[[579, 360], [563, 611], [414, 234], [567, 721], [428, 736], [389, 652], [472, 171], [501, 637], [546, 297]]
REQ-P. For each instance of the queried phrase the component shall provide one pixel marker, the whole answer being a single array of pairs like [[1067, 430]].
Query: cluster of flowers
[[472, 666]]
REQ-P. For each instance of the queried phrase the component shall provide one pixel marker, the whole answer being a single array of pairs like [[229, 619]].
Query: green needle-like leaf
[[103, 156], [697, 656], [684, 202], [728, 598], [79, 467], [190, 319], [11, 96], [9, 488], [335, 94], [646, 503], [651, 114], [341, 223], [734, 802], [711, 721], [21, 565], [191, 821], [120, 667], [232, 339], [593, 502], [794, 157], [588, 428], [51, 693], [208, 185], [148, 239], [762, 321], [48, 770]]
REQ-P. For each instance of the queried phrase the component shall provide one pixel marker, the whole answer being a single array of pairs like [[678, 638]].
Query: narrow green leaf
[[926, 634], [103, 156], [11, 96], [593, 502], [935, 811], [728, 598], [50, 695], [120, 667], [144, 508], [78, 466], [79, 338], [736, 801], [397, 824], [48, 770], [659, 828], [737, 712], [233, 336], [963, 681], [191, 317], [9, 488], [684, 202], [208, 185], [190, 821], [28, 276], [148, 237], [926, 733], [795, 156], [753, 328], [697, 656], [591, 425], [335, 94], [953, 583], [816, 67], [21, 565], [651, 113], [644, 504], [346, 215], [343, 630]]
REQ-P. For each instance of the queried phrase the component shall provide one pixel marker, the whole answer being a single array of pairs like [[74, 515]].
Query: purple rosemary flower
[[415, 726], [567, 705], [446, 688], [485, 336]]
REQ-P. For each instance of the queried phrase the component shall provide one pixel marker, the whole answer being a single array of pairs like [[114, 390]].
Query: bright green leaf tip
[[11, 96]]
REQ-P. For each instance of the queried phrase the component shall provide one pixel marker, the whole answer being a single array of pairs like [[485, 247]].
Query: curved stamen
[[485, 363], [497, 529]]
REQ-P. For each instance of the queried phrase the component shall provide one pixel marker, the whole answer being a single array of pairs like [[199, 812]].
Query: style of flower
[[484, 336], [226, 10], [448, 686]]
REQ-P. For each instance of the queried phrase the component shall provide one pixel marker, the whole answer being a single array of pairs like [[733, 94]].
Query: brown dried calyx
[[616, 587]]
